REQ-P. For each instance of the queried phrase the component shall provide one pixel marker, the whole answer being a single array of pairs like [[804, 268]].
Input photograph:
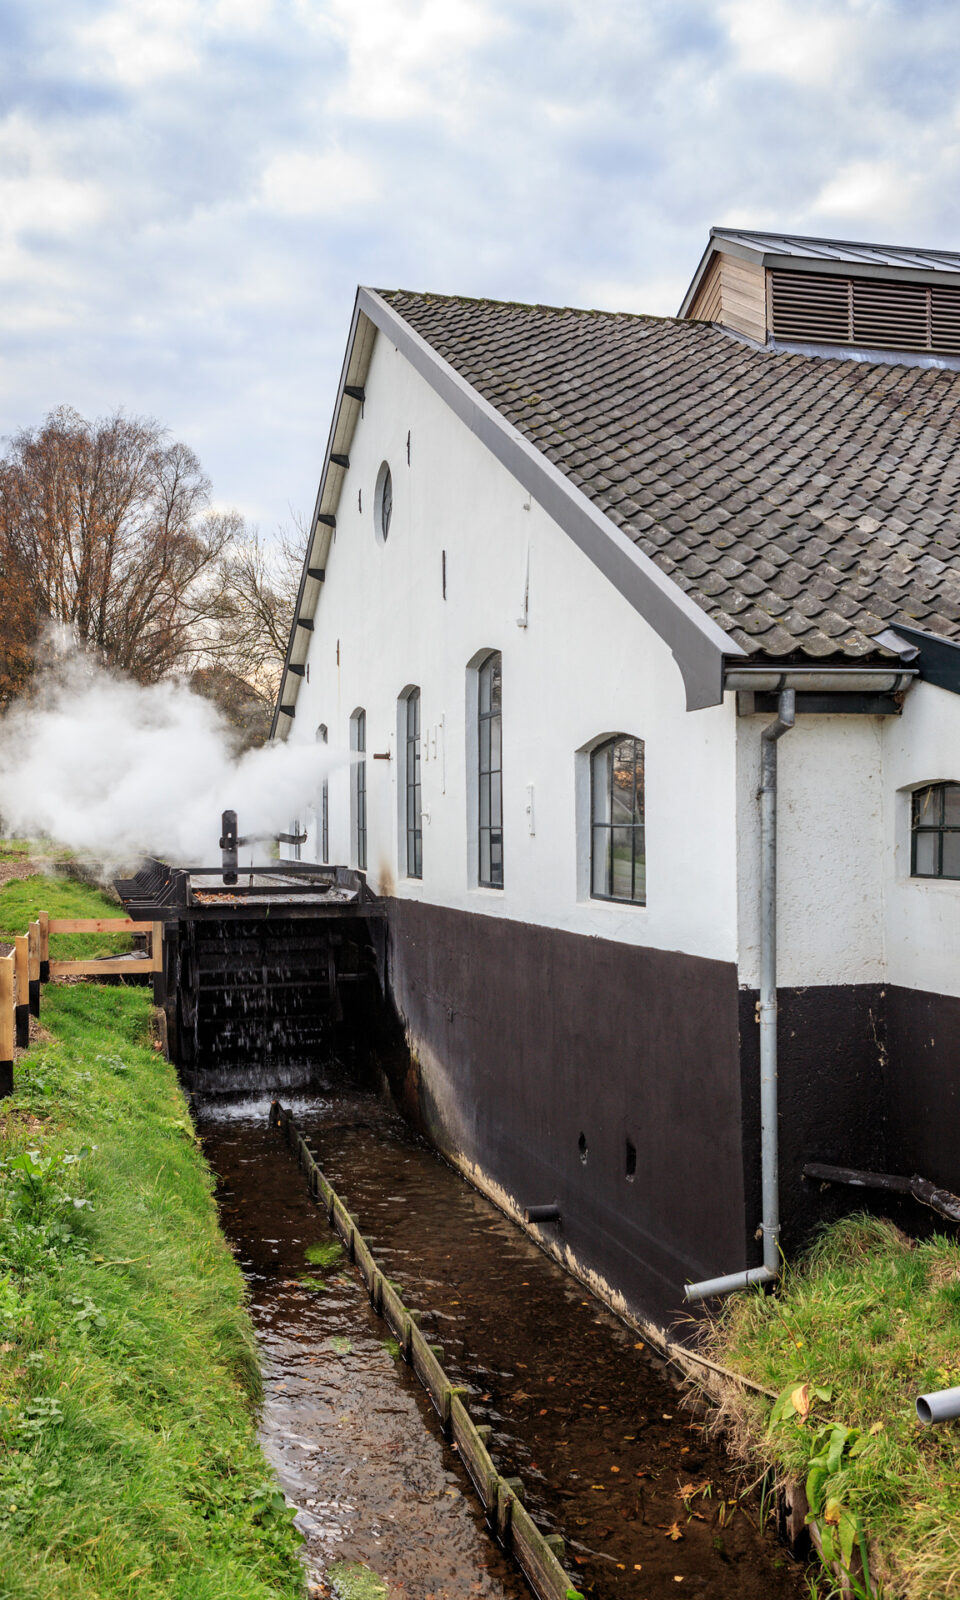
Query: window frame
[[936, 830], [323, 831], [358, 741], [489, 778], [412, 785], [604, 750]]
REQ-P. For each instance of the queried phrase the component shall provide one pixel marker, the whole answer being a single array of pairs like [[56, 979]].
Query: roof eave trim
[[698, 644], [298, 609]]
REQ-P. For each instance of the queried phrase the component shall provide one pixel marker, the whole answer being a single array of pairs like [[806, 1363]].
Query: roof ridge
[[434, 297]]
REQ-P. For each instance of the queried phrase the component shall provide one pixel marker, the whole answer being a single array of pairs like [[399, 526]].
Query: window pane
[[926, 806], [622, 846], [926, 854], [951, 855], [418, 858], [600, 763], [484, 855], [484, 802], [485, 745], [622, 797], [951, 805], [484, 689], [601, 861], [494, 726], [640, 872], [496, 856], [495, 684]]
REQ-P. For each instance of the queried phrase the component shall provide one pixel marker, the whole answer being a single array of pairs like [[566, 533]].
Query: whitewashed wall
[[921, 915], [830, 837], [848, 909], [585, 664]]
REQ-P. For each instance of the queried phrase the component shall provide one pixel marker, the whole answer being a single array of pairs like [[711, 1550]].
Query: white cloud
[[877, 191], [135, 44], [802, 40], [407, 58], [299, 183]]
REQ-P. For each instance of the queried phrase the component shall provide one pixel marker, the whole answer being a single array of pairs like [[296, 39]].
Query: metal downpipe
[[767, 1017]]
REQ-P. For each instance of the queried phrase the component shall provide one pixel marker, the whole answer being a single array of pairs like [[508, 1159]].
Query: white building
[[563, 564]]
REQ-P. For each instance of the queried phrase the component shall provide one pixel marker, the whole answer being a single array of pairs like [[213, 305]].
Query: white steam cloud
[[108, 766]]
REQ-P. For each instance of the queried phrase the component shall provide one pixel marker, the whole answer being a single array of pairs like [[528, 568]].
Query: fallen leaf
[[614, 1469], [672, 1530], [638, 1566], [800, 1400]]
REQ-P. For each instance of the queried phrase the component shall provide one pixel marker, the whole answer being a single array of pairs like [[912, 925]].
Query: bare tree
[[257, 595], [105, 528]]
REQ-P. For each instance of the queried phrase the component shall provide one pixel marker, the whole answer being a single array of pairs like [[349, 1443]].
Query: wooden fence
[[28, 966]]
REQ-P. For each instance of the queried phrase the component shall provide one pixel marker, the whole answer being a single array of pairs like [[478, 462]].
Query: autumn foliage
[[106, 531]]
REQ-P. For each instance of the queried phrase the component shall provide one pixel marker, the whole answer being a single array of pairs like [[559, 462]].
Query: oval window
[[383, 503]]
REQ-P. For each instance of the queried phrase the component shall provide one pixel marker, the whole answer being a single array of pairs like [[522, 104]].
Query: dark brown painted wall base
[[523, 1039], [923, 1084], [526, 1038]]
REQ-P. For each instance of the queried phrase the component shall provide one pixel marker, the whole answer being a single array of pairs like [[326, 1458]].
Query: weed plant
[[868, 1320], [129, 1459]]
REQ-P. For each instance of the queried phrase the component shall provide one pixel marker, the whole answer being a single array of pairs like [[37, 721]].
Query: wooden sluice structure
[[257, 972]]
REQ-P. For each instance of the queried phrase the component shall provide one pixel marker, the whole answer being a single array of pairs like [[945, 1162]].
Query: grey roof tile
[[804, 503]]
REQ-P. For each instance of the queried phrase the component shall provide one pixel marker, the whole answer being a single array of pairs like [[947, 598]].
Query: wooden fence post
[[22, 1012], [44, 920], [6, 1025], [33, 958]]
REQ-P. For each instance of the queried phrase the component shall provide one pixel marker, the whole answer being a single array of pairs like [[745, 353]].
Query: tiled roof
[[805, 503]]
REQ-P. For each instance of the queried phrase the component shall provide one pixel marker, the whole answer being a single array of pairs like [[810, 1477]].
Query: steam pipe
[[943, 1405], [229, 844], [767, 1016]]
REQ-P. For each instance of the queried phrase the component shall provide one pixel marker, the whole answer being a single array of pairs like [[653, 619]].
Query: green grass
[[22, 900], [129, 1459], [872, 1319]]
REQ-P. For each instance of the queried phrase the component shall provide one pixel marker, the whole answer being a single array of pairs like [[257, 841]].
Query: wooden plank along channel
[[538, 1555]]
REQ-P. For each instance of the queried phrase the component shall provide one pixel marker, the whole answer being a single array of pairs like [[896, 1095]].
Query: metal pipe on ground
[[767, 1013], [943, 1405]]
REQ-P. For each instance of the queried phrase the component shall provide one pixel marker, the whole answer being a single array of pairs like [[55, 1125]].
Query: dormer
[[830, 296]]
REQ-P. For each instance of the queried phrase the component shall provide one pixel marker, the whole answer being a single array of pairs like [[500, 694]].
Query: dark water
[[579, 1408]]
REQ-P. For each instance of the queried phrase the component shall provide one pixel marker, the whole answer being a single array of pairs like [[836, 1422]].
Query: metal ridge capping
[[537, 1554]]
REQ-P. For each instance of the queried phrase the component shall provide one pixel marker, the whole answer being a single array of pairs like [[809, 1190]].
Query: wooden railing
[[28, 966]]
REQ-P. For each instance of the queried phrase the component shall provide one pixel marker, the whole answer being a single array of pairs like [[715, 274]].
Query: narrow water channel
[[580, 1408]]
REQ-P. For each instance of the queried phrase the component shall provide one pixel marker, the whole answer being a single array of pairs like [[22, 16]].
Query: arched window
[[323, 810], [412, 800], [358, 741], [617, 856], [935, 831], [489, 773]]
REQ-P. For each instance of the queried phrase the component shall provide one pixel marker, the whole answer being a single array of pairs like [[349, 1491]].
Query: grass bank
[[129, 1459], [865, 1322]]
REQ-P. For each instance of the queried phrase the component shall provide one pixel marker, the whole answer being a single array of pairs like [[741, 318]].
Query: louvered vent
[[878, 313]]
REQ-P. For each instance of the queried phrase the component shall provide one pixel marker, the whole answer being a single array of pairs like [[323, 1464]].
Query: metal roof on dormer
[[852, 257]]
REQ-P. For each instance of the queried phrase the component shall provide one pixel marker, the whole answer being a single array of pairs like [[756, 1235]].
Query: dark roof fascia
[[937, 660], [698, 644], [354, 323]]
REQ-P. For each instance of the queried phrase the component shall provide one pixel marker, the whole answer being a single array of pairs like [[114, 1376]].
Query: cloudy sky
[[190, 190]]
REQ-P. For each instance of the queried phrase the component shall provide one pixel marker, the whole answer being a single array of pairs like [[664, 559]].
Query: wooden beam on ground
[[6, 1025], [33, 967], [21, 965], [44, 920], [117, 967], [98, 925]]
